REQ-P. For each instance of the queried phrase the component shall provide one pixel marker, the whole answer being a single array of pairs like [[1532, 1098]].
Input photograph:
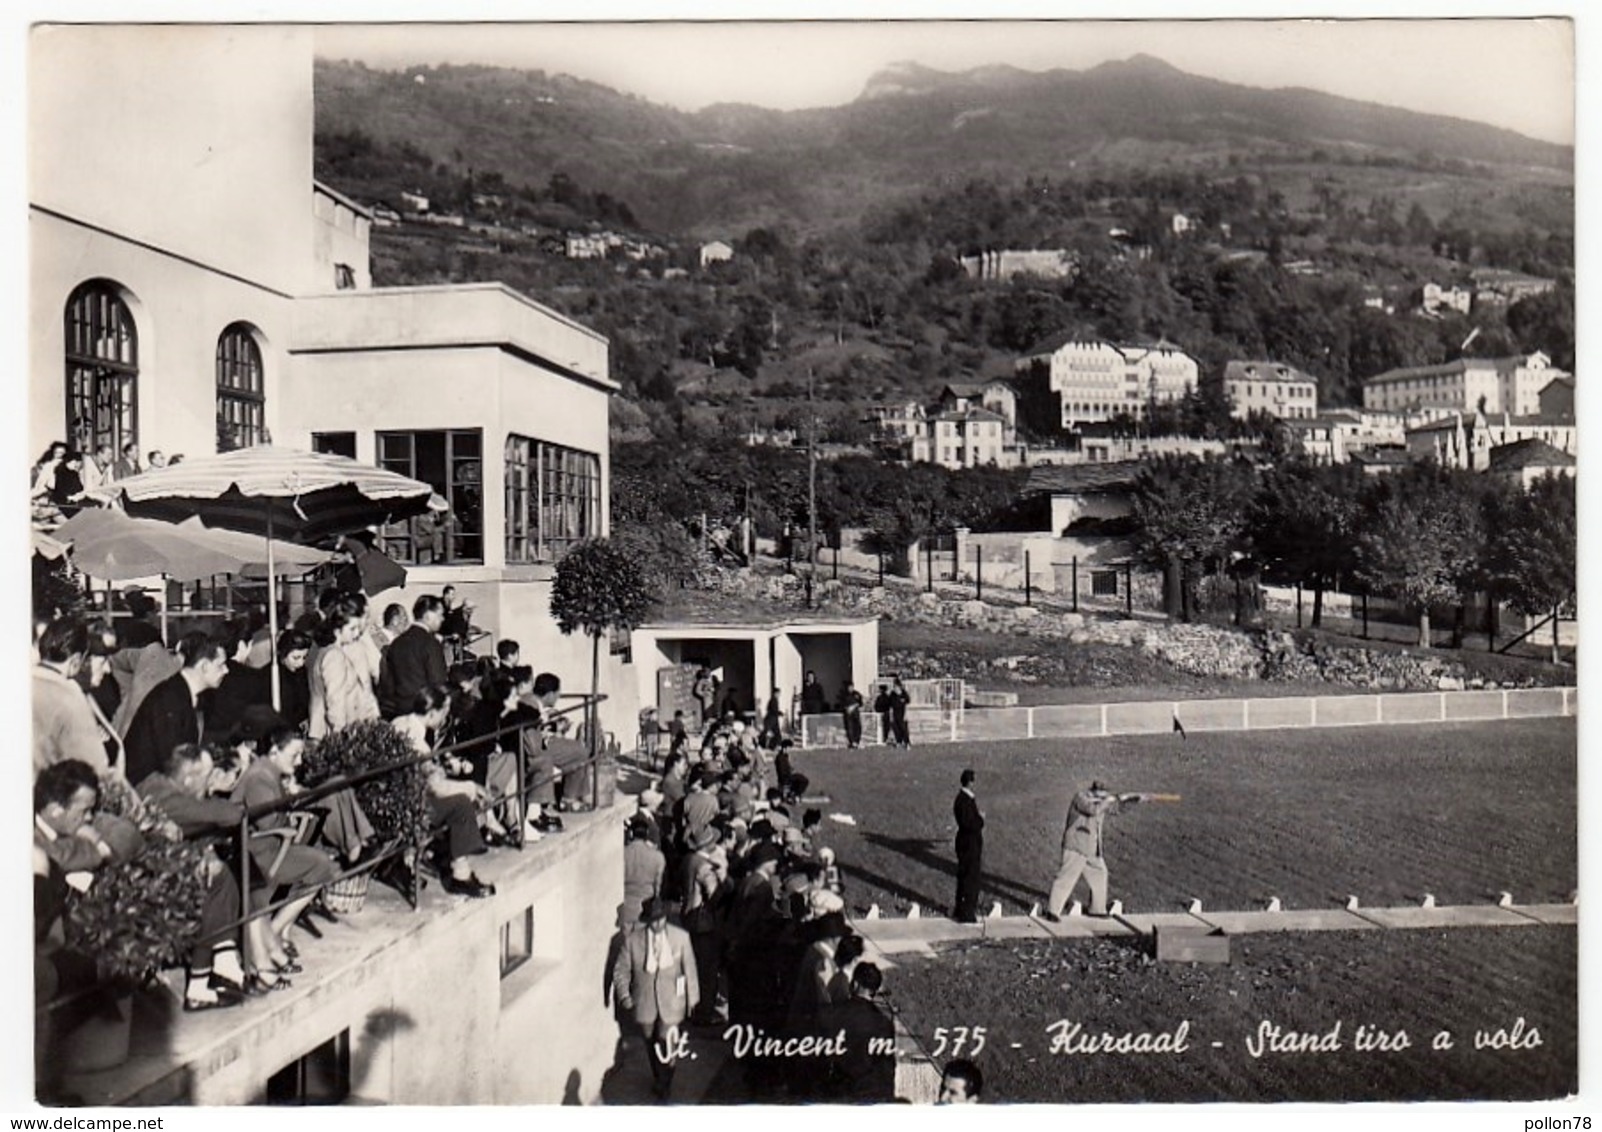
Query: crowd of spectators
[[726, 873], [134, 740]]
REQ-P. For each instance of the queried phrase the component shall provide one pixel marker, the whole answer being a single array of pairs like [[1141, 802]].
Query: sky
[[1515, 73]]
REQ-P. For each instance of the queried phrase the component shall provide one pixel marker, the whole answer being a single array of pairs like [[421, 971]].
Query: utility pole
[[812, 489]]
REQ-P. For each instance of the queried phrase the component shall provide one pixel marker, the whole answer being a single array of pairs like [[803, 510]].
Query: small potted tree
[[137, 917], [396, 803], [599, 588]]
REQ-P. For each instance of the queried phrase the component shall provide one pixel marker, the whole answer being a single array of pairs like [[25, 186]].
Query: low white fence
[[1067, 721]]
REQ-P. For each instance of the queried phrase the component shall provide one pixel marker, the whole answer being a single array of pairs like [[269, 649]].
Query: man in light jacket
[[655, 984]]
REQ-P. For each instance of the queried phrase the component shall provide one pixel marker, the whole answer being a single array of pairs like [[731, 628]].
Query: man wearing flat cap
[[655, 984]]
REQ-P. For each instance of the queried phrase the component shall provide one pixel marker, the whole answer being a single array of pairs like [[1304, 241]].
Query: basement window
[[1104, 583], [320, 1077], [517, 941]]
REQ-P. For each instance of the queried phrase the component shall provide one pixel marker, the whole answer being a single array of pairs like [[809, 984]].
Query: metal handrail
[[587, 704]]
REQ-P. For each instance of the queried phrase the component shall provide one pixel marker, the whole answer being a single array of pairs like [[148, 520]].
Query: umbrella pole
[[163, 608], [272, 606]]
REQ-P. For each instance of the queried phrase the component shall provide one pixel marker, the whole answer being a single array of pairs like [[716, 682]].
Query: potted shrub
[[396, 803], [138, 917]]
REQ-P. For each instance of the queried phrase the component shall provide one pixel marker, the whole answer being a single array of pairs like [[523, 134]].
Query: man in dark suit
[[414, 660], [168, 716], [970, 850]]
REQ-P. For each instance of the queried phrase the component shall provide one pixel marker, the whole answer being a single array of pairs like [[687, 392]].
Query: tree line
[[1425, 536]]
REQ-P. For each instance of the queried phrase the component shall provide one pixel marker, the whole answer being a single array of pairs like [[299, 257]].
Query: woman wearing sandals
[[454, 802]]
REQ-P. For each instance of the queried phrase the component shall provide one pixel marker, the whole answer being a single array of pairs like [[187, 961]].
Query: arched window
[[102, 369], [241, 396]]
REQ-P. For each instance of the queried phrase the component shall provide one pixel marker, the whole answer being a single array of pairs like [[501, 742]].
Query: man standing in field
[[970, 851], [1081, 848]]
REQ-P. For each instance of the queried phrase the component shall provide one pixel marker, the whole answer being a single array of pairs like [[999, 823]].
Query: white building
[[715, 252], [1269, 387], [1468, 440], [1492, 385], [1334, 435], [1452, 298], [193, 293], [1044, 263], [964, 438], [1097, 380]]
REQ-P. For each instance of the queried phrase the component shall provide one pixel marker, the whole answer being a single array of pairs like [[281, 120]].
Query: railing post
[[1076, 583], [881, 569], [835, 565], [928, 565], [595, 775], [1129, 589], [1298, 605], [1365, 615], [1028, 591], [979, 573], [244, 864], [522, 788]]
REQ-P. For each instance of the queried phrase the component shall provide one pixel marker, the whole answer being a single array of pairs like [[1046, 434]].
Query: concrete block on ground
[[1279, 711], [1457, 915], [1146, 923], [1410, 707], [1067, 721], [1550, 913], [1527, 702], [1015, 927], [1211, 715], [1192, 944], [1474, 705], [1084, 927], [925, 929], [1297, 920], [1141, 718], [1338, 711]]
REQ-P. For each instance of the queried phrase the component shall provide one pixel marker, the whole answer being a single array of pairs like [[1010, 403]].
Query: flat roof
[[768, 625]]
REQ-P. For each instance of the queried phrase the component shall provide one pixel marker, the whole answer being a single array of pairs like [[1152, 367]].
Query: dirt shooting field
[[1461, 812]]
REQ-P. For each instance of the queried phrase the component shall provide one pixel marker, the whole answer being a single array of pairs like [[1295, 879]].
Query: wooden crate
[[1192, 945]]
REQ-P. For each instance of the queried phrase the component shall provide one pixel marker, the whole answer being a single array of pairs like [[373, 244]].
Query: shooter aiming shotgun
[[1081, 846]]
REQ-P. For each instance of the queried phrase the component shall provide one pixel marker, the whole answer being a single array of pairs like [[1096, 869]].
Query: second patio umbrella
[[274, 492]]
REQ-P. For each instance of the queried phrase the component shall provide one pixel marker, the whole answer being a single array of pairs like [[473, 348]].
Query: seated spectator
[[242, 686], [269, 780], [139, 629], [180, 791], [64, 723], [169, 715], [453, 802], [66, 489], [456, 624], [395, 622], [294, 688]]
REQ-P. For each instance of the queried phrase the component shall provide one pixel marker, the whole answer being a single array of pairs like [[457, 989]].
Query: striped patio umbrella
[[289, 494], [276, 493]]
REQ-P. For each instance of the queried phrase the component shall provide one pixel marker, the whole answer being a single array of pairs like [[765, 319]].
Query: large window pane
[[553, 499], [450, 460], [241, 390], [102, 369]]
